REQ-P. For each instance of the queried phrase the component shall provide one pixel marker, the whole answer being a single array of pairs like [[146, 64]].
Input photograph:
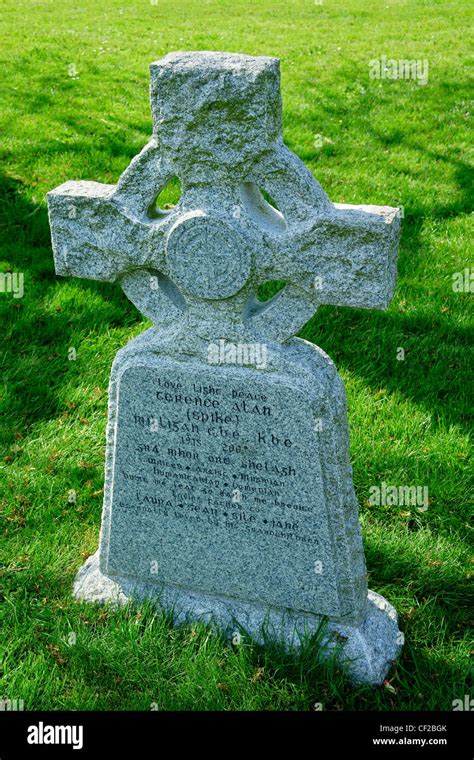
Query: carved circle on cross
[[207, 257]]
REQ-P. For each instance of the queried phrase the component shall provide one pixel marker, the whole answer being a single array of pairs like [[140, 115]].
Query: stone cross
[[217, 127], [228, 490]]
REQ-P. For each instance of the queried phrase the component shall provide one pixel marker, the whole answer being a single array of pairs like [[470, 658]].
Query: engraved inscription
[[207, 482]]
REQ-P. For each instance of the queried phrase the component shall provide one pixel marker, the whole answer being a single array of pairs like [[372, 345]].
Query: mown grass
[[75, 106]]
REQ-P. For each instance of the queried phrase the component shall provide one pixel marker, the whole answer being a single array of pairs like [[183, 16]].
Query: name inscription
[[214, 491]]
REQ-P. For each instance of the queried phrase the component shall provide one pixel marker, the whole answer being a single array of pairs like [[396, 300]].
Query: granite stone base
[[366, 651]]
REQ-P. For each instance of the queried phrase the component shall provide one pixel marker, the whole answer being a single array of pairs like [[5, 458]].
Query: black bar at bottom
[[98, 734]]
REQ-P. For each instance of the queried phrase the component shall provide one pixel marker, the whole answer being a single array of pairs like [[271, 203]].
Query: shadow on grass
[[36, 338], [438, 364]]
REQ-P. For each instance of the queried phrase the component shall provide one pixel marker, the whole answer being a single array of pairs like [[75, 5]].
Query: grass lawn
[[74, 93]]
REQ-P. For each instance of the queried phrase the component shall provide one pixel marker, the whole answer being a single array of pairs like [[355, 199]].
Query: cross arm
[[349, 256], [92, 235], [329, 253]]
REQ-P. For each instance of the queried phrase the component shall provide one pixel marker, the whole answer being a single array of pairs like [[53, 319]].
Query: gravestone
[[228, 486]]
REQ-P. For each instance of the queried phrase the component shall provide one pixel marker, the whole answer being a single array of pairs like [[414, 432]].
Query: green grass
[[387, 142]]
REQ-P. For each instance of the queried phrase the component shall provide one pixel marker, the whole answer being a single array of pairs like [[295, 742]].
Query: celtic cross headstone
[[228, 487]]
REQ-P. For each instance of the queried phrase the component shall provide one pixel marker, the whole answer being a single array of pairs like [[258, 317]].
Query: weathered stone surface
[[228, 486], [217, 126], [223, 483]]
